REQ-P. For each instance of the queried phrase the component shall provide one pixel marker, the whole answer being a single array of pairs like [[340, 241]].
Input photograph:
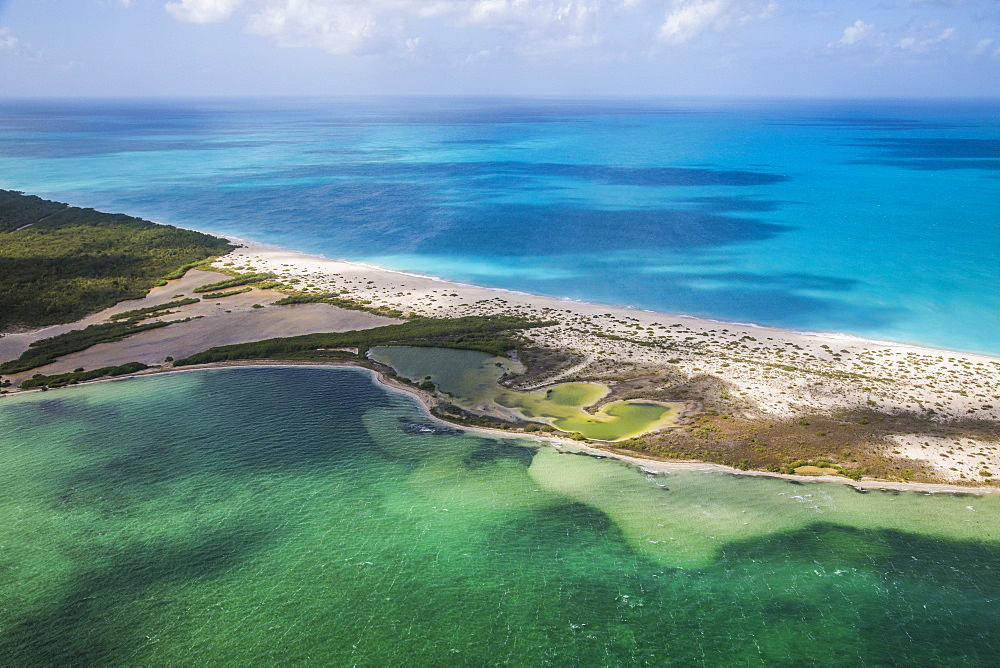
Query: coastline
[[761, 372], [829, 335], [566, 445]]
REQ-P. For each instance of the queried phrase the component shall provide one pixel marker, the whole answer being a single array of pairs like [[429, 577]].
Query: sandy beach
[[758, 372]]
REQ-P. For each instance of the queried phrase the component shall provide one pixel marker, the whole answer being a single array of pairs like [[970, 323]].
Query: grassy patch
[[336, 300], [494, 335], [150, 311], [220, 295], [237, 281], [850, 442]]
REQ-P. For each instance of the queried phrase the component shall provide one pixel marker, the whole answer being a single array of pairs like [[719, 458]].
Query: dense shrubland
[[58, 263]]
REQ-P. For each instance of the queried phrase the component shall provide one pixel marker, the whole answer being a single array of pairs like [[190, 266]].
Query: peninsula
[[747, 397]]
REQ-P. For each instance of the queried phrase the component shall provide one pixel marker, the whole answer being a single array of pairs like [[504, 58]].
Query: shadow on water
[[363, 219], [891, 124], [823, 595], [597, 174], [232, 440], [529, 230], [85, 626], [560, 244], [489, 451], [933, 153], [790, 300]]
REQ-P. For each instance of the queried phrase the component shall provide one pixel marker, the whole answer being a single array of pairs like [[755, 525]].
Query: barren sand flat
[[216, 322], [951, 458], [12, 345]]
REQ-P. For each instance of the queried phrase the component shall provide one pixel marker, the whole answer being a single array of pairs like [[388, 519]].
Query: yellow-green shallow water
[[470, 378], [302, 515]]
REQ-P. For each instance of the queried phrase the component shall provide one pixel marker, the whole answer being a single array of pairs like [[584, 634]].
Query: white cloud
[[858, 31], [372, 26], [911, 43], [7, 41], [203, 11], [983, 46], [687, 19], [538, 16], [337, 28], [11, 45]]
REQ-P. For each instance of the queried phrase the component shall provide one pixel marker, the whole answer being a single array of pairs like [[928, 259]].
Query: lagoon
[[470, 379], [289, 515]]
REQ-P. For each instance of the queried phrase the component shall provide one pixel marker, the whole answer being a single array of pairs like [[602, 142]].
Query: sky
[[640, 48]]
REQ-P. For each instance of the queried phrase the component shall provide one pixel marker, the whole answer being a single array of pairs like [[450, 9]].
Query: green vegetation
[[220, 295], [459, 416], [184, 268], [150, 311], [60, 263], [809, 467], [59, 380], [488, 334], [47, 350], [341, 302], [237, 281]]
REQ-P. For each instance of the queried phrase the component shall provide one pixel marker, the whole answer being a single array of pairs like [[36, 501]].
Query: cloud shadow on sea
[[369, 218], [121, 558], [933, 153], [611, 256], [554, 249], [80, 623], [889, 124], [789, 300], [399, 171], [525, 230]]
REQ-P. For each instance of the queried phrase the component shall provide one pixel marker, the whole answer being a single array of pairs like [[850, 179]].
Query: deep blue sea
[[879, 219]]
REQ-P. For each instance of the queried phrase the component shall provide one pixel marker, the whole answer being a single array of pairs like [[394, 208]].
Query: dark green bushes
[[238, 280], [59, 263], [59, 380], [150, 311], [341, 302], [220, 295]]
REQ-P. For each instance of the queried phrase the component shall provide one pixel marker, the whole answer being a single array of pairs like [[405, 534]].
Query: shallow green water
[[293, 516], [467, 375], [471, 379]]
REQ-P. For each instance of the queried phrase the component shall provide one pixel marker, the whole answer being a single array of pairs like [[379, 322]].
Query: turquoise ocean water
[[262, 516], [878, 219], [284, 516]]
